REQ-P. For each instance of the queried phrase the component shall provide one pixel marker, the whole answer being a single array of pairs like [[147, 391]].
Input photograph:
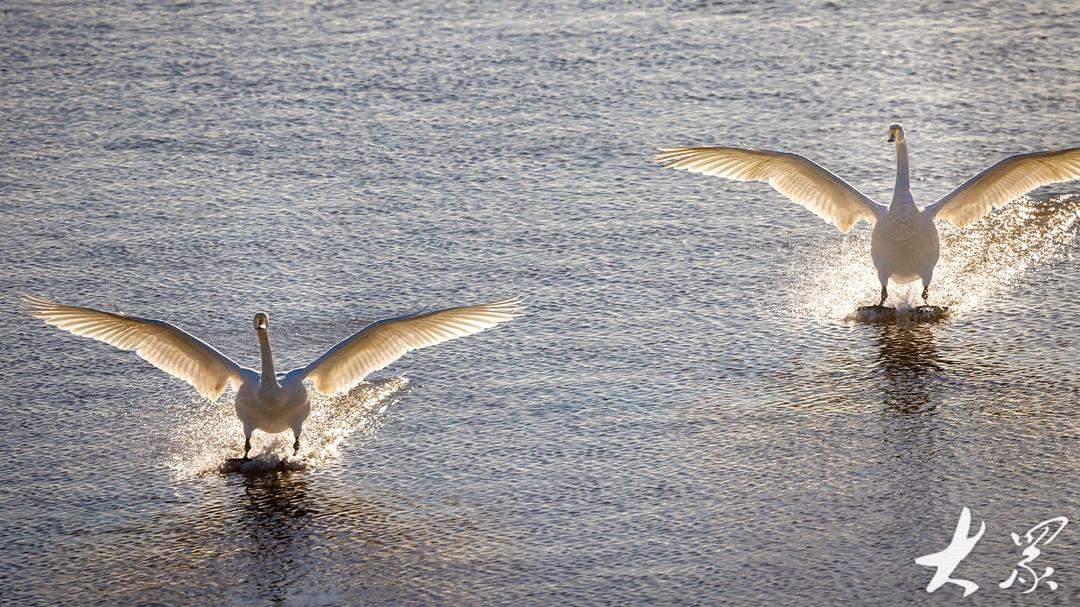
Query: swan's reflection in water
[[910, 368], [275, 515], [278, 538], [299, 537]]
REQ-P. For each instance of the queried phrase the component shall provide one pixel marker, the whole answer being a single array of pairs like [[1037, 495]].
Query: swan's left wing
[[165, 346], [797, 177], [1011, 178], [385, 341]]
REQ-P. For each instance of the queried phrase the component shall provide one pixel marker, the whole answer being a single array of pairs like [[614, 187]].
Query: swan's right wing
[[797, 177], [163, 345], [1008, 179], [381, 343]]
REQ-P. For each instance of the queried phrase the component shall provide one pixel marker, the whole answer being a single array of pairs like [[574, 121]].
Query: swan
[[904, 243], [269, 401]]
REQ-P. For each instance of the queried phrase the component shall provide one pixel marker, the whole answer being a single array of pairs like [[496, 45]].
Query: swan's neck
[[268, 375], [902, 190]]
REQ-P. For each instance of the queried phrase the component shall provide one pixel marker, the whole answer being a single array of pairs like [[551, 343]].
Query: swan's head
[[896, 133], [262, 321]]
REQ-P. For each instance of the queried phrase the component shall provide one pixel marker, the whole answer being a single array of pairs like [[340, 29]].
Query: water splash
[[977, 264], [205, 439]]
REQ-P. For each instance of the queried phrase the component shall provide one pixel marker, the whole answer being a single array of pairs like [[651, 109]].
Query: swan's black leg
[[296, 444], [884, 296], [926, 295], [247, 447]]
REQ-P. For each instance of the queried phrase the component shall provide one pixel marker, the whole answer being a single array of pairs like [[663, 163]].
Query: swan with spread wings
[[269, 401], [904, 243]]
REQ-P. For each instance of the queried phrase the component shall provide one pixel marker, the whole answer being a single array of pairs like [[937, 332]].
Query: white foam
[[977, 264], [207, 438], [902, 315]]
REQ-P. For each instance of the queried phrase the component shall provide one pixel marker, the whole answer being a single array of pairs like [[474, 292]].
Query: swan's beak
[[892, 136]]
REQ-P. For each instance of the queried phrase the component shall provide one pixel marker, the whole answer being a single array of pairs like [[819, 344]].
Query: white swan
[[269, 401], [904, 243]]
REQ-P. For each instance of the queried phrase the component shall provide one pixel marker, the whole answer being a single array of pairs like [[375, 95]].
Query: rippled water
[[684, 416]]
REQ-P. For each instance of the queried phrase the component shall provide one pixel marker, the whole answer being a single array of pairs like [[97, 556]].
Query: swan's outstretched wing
[[797, 177], [165, 346], [385, 341], [1011, 178]]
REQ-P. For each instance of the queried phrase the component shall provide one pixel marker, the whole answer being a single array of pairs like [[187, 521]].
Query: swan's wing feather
[[163, 345], [385, 341], [796, 177], [1001, 183]]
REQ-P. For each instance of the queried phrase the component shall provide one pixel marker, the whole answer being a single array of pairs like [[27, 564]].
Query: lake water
[[683, 417]]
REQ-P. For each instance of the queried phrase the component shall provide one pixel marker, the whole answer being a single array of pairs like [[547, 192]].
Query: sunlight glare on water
[[976, 264], [214, 433]]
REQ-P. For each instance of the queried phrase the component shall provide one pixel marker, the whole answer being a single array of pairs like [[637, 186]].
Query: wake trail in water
[[977, 264], [206, 438]]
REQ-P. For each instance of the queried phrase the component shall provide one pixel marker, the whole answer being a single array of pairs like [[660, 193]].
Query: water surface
[[684, 416]]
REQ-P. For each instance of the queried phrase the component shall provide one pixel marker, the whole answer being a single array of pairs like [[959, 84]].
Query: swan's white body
[[273, 406], [266, 400], [904, 244]]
